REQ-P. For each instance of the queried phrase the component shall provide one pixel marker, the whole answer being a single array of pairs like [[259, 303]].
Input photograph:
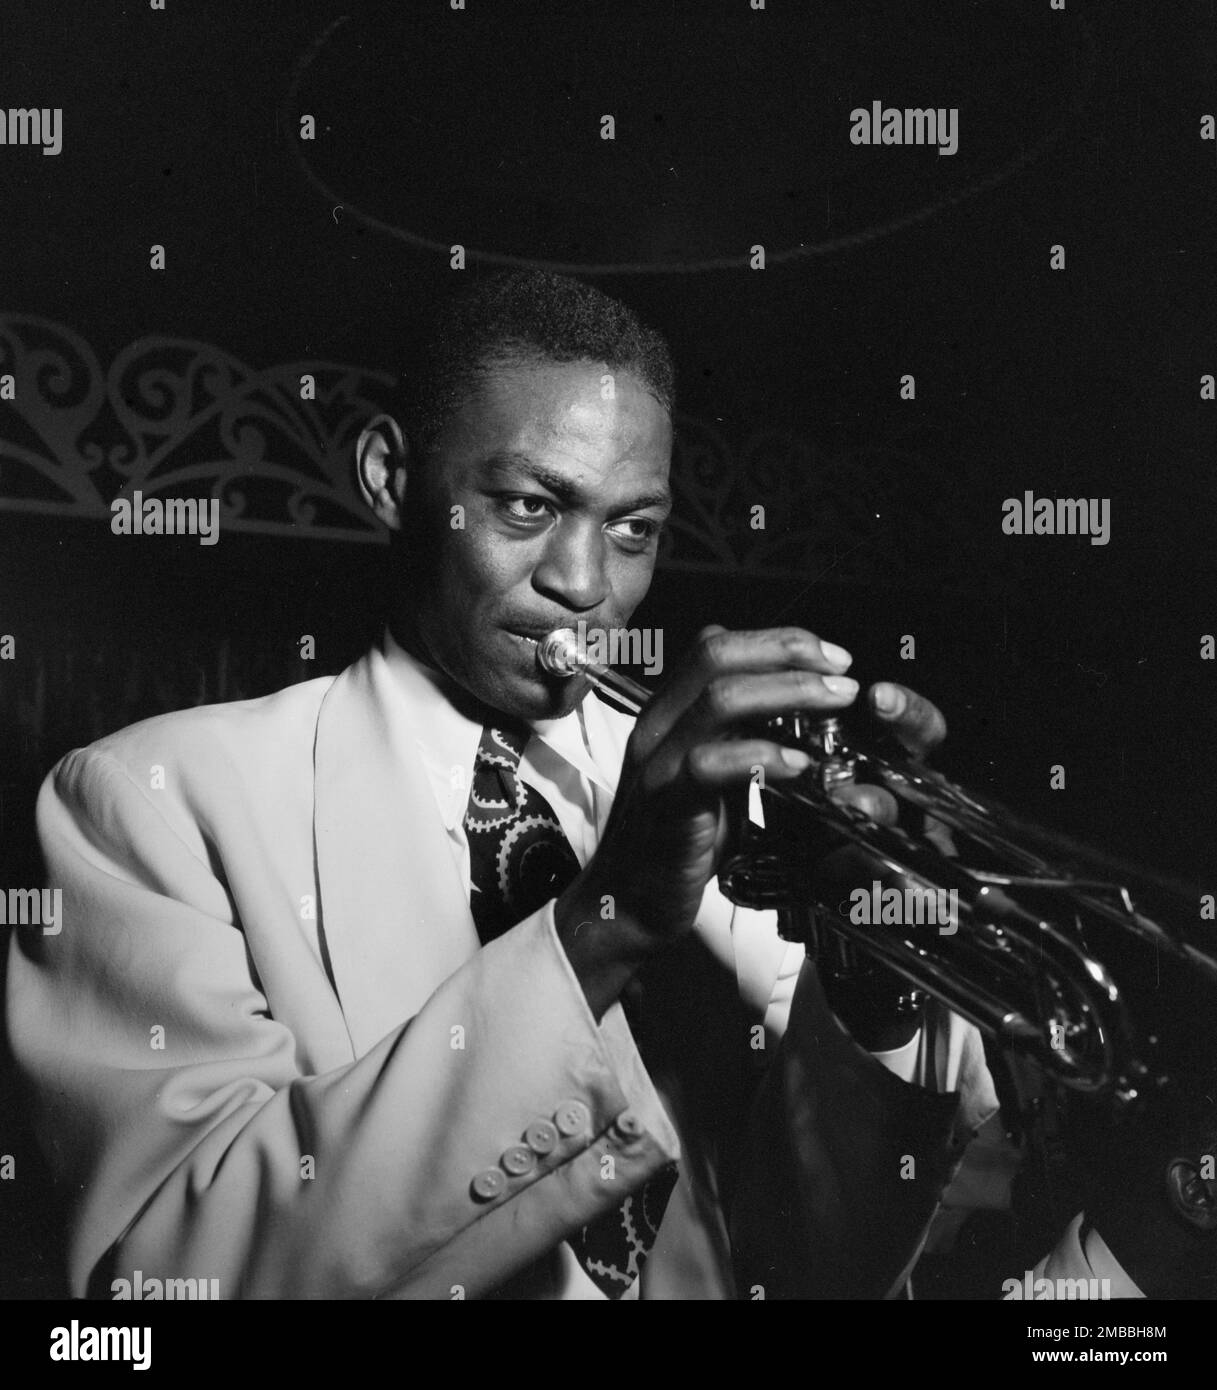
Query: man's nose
[[572, 568]]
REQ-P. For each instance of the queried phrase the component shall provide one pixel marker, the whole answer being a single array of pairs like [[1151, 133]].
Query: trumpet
[[1046, 940]]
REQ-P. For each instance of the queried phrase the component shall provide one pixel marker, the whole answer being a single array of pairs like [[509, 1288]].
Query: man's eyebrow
[[512, 461], [651, 499]]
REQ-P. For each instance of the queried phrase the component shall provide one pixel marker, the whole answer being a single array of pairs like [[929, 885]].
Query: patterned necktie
[[519, 859]]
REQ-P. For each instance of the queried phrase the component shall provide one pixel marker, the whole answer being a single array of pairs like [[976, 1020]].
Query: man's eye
[[636, 530], [525, 508]]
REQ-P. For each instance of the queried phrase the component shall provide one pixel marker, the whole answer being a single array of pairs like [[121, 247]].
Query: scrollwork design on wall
[[45, 463], [177, 417], [278, 464]]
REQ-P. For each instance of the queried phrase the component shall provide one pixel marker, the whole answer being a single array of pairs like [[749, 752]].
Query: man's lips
[[538, 634], [529, 644]]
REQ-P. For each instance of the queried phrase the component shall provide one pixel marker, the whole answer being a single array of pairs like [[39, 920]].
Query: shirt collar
[[1106, 1266], [448, 740], [1070, 1260]]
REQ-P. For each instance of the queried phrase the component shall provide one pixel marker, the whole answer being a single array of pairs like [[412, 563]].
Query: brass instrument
[[1038, 915]]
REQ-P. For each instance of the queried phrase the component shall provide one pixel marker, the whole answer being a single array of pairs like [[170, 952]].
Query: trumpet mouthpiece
[[558, 653]]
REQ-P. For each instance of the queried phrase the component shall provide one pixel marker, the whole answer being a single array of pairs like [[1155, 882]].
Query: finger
[[770, 648], [728, 702], [731, 701], [876, 802], [916, 722], [729, 762], [718, 652]]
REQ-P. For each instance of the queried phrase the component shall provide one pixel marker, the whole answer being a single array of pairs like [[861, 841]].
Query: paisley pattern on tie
[[497, 796], [628, 1231], [519, 858]]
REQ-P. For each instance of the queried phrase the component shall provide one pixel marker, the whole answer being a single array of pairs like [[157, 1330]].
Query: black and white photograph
[[608, 646]]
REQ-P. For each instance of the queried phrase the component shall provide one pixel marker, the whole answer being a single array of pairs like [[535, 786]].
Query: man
[[336, 1009]]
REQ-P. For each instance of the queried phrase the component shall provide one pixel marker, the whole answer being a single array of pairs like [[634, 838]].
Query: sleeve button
[[489, 1185], [627, 1125], [572, 1117], [541, 1137], [518, 1160]]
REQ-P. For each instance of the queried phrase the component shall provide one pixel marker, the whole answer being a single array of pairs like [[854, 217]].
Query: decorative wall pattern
[[175, 417]]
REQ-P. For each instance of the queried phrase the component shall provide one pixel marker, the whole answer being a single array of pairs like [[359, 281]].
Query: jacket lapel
[[394, 915]]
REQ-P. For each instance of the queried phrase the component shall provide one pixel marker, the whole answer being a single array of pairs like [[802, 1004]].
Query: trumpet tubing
[[1026, 903]]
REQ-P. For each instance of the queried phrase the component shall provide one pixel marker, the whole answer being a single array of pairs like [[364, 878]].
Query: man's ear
[[1193, 1196], [381, 460]]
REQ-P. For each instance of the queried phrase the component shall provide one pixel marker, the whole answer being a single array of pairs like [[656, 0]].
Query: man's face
[[563, 487]]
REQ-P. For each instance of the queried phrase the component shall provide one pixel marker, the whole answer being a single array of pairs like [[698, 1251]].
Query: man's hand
[[917, 723], [691, 745], [920, 727]]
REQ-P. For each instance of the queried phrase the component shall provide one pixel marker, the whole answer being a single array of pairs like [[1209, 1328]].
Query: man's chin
[[540, 699], [523, 693], [502, 677]]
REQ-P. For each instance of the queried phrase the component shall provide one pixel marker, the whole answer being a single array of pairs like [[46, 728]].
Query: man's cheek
[[469, 572], [628, 591], [502, 574]]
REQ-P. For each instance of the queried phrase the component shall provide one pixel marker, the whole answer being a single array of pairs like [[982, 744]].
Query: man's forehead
[[645, 481], [580, 397], [564, 415]]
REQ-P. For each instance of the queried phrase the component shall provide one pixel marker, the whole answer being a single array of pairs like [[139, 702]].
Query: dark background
[[482, 128]]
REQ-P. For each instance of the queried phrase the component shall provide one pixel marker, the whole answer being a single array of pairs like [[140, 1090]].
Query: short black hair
[[514, 315]]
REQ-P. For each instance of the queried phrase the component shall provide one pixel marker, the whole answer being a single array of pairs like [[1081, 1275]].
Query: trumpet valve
[[837, 767], [834, 763]]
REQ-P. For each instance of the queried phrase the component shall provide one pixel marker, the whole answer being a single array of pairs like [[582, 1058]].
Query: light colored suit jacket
[[265, 1047]]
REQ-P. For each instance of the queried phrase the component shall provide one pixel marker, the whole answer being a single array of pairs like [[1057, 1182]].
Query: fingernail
[[796, 758], [837, 655], [888, 700], [840, 685]]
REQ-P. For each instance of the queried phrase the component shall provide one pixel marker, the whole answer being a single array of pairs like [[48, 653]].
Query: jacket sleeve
[[462, 1147]]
